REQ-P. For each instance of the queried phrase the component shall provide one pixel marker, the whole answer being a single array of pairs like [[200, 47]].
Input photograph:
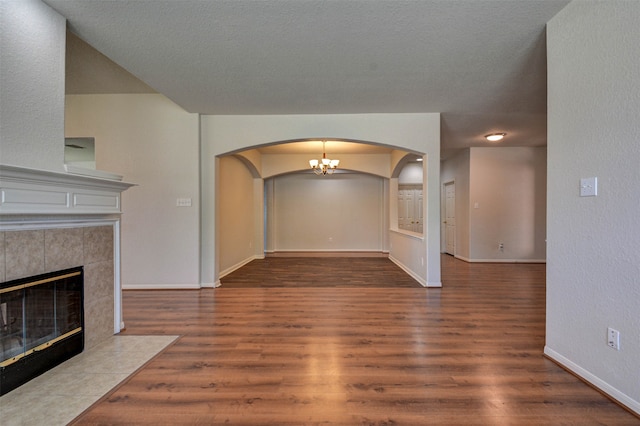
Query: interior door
[[405, 202], [419, 215], [450, 217]]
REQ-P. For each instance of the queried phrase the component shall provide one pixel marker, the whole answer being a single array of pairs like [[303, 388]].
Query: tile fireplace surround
[[51, 221]]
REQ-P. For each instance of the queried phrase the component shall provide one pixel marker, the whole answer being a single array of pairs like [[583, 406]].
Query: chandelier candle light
[[324, 166]]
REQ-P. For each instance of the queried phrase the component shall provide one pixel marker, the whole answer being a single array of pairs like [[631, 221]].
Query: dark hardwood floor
[[376, 353], [320, 272]]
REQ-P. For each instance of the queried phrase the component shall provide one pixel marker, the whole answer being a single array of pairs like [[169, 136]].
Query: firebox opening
[[41, 324]]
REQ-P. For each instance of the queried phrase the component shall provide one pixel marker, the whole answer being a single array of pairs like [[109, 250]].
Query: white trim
[[83, 171], [501, 260], [170, 286], [118, 320], [326, 251], [30, 191], [166, 286], [594, 380], [33, 223], [420, 280], [237, 266], [411, 234], [443, 213]]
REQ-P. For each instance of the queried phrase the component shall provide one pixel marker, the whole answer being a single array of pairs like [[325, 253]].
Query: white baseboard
[[236, 267], [416, 277], [168, 286], [594, 380], [327, 253], [500, 260]]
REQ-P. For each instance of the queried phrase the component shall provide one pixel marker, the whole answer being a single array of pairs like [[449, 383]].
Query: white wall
[[341, 212], [406, 252], [507, 204], [413, 132], [32, 45], [594, 243], [153, 143]]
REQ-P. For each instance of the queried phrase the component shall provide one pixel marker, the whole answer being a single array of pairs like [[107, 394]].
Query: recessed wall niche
[[80, 152], [410, 198]]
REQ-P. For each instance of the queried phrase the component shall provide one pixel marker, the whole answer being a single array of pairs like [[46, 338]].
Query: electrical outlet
[[501, 246], [613, 338]]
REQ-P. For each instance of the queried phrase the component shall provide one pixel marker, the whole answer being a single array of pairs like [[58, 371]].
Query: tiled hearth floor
[[61, 394]]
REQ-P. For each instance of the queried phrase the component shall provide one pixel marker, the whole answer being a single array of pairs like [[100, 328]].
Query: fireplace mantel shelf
[[25, 191]]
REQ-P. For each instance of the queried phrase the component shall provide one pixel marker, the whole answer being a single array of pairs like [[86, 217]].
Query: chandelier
[[324, 166]]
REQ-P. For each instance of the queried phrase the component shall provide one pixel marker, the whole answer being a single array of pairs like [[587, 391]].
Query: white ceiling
[[481, 63]]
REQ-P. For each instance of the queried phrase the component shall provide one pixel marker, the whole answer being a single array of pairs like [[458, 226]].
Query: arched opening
[[221, 136], [408, 184], [301, 212], [348, 211]]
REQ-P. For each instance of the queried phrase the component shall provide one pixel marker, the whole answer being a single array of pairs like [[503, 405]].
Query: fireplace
[[52, 221], [41, 324]]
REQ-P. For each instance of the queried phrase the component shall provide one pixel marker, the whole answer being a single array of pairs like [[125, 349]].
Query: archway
[[225, 135]]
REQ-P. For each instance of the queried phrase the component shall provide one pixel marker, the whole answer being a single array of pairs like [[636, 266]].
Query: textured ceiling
[[481, 63]]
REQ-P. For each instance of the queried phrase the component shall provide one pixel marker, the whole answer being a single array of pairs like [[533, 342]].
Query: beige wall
[[236, 208], [500, 198], [507, 204], [37, 251], [341, 212], [153, 143]]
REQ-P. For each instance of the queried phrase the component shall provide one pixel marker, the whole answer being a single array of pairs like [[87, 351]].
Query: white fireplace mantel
[[33, 199], [25, 191]]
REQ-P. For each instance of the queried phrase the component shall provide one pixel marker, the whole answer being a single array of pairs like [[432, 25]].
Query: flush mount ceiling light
[[494, 137], [324, 166]]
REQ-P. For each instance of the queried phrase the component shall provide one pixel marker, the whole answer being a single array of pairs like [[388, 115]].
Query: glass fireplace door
[[41, 324]]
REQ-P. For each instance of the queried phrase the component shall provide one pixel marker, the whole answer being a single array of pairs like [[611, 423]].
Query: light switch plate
[[589, 187], [183, 202]]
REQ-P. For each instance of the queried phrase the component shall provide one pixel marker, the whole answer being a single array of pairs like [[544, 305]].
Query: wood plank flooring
[[469, 353], [320, 272]]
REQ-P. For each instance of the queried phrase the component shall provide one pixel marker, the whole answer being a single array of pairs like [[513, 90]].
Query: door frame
[[443, 232]]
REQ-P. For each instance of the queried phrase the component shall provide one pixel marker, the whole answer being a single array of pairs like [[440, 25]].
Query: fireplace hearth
[[41, 324]]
